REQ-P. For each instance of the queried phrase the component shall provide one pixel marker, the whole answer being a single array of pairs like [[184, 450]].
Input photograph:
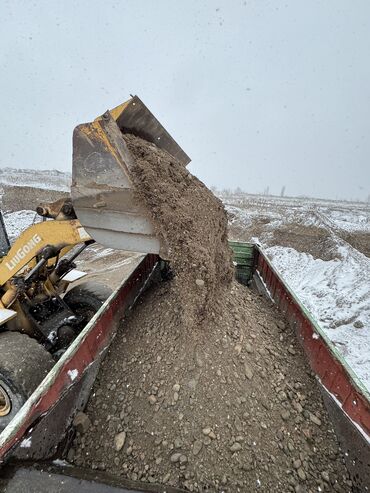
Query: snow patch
[[337, 294], [19, 221], [48, 179], [73, 374], [26, 442]]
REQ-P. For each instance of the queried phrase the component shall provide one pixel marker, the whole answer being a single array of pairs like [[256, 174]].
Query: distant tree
[[238, 191], [266, 191], [282, 193], [214, 189]]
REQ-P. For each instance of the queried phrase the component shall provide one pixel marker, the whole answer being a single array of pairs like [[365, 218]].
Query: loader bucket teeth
[[102, 189]]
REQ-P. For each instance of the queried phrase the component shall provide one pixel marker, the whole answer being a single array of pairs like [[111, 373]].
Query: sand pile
[[205, 387]]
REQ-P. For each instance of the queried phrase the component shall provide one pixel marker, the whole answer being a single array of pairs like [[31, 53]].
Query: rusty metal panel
[[69, 371], [355, 448], [346, 399]]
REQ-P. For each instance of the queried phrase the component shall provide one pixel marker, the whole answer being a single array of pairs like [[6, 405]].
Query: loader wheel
[[86, 299], [23, 365]]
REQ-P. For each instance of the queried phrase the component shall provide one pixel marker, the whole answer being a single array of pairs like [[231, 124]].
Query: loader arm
[[63, 235]]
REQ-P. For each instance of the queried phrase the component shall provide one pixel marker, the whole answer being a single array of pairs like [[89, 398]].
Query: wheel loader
[[39, 317]]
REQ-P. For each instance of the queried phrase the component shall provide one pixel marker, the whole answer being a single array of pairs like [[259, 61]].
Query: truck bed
[[66, 389]]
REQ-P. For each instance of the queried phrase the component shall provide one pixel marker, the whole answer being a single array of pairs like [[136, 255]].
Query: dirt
[[205, 387], [310, 239], [360, 241], [232, 407], [191, 224], [16, 198]]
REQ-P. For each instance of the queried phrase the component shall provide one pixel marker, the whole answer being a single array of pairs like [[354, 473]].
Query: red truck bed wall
[[347, 403]]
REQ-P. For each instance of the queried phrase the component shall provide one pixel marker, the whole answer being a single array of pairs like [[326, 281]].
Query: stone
[[207, 440], [285, 415], [248, 372], [176, 387], [71, 455], [166, 477], [238, 424], [297, 463], [197, 447], [119, 440], [235, 447], [248, 348], [176, 396], [315, 419], [177, 443], [325, 476], [183, 459], [358, 324], [81, 422], [301, 474], [199, 282], [297, 406], [152, 399], [238, 348], [175, 457], [206, 430]]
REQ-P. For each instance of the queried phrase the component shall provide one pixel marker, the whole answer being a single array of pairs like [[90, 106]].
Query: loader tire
[[23, 365], [86, 299]]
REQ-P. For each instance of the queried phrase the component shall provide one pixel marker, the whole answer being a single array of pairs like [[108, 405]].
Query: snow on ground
[[337, 294], [349, 220], [49, 179], [337, 291], [16, 222]]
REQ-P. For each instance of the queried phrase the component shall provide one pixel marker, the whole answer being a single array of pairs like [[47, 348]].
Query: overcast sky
[[258, 93]]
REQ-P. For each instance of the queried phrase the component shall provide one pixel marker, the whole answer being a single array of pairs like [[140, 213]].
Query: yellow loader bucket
[[102, 190]]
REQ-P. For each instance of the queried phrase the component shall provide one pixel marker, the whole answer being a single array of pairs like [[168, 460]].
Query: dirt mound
[[309, 239], [191, 223], [18, 198], [360, 241], [230, 408], [303, 238]]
